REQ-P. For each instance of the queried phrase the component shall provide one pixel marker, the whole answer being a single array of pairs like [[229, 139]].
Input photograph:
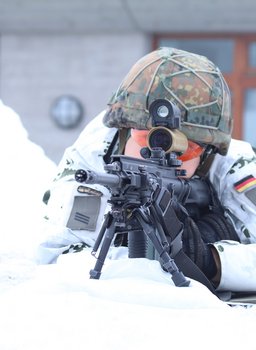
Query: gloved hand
[[197, 236], [197, 250]]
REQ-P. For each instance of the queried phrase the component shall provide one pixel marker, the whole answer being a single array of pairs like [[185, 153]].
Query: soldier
[[220, 239]]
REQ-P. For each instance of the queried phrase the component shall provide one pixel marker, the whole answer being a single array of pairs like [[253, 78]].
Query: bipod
[[106, 236]]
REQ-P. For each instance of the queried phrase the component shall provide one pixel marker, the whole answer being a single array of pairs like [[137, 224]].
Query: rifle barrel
[[91, 177]]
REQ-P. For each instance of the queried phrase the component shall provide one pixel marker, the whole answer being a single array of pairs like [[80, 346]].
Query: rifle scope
[[166, 118]]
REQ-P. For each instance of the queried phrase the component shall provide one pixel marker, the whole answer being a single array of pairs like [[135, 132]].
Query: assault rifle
[[144, 195]]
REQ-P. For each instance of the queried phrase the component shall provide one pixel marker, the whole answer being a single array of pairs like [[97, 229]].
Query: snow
[[133, 306]]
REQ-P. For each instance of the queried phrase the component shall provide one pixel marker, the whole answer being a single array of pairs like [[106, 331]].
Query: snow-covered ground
[[133, 306]]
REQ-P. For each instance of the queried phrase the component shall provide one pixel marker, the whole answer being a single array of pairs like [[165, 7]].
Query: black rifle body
[[144, 193]]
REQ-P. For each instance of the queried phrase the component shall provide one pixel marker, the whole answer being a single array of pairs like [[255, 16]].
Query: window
[[220, 51], [252, 54], [250, 117], [67, 111]]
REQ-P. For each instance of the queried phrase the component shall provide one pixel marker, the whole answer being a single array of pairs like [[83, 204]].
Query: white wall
[[35, 69]]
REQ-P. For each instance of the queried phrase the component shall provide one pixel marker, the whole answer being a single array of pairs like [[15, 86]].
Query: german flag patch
[[244, 184]]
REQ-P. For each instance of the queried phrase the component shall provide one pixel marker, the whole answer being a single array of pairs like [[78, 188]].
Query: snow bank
[[25, 175], [133, 306]]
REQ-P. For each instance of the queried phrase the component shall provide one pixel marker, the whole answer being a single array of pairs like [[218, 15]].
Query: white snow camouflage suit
[[233, 176]]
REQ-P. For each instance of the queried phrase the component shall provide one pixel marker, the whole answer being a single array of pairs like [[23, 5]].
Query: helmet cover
[[190, 81]]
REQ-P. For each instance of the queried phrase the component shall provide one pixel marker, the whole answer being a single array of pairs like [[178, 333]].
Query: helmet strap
[[206, 161], [122, 137], [111, 149]]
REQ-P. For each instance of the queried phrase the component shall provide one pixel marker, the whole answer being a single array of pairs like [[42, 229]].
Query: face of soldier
[[132, 149]]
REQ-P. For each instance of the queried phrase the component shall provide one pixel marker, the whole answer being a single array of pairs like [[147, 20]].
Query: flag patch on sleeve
[[244, 184]]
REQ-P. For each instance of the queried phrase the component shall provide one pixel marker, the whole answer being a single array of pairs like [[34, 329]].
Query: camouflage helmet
[[190, 81]]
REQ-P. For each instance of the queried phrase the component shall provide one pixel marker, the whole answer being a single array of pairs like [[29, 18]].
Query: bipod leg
[[107, 236], [168, 263], [101, 233]]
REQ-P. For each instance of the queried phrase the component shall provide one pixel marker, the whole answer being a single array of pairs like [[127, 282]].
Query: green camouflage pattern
[[190, 81]]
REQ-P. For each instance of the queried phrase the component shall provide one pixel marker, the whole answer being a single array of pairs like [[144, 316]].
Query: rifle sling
[[190, 269]]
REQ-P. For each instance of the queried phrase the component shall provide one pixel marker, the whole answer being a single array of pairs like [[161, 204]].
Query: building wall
[[36, 69]]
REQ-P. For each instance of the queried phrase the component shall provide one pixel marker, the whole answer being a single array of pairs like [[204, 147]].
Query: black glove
[[198, 250], [213, 227]]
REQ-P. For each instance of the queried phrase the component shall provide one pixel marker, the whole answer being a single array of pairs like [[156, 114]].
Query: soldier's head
[[188, 81]]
